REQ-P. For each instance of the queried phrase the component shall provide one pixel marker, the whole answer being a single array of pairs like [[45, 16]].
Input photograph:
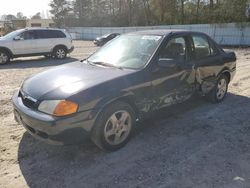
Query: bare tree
[[37, 16]]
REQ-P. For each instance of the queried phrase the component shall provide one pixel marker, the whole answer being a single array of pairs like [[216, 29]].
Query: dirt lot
[[196, 144]]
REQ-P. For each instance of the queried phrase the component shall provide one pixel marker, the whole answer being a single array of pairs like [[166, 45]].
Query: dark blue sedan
[[131, 76]]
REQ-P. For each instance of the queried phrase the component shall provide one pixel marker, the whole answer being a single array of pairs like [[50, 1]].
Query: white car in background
[[35, 41]]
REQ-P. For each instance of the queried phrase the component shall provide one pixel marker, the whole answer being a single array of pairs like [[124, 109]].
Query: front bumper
[[51, 129], [71, 49]]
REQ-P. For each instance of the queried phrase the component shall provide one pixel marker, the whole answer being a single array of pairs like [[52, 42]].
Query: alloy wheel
[[3, 58], [117, 127], [60, 53], [221, 89]]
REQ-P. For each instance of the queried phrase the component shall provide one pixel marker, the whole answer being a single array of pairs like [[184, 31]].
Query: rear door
[[59, 37], [44, 41], [207, 60]]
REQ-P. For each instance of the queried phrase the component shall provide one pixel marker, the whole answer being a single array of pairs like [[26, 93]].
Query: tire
[[219, 92], [114, 126], [60, 53], [4, 57]]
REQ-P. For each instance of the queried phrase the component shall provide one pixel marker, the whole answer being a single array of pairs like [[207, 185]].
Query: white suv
[[35, 41]]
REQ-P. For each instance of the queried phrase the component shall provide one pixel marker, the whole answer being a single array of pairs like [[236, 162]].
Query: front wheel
[[4, 57], [220, 90], [114, 126]]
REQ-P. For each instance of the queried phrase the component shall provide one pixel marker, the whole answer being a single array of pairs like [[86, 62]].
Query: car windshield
[[127, 51], [12, 34]]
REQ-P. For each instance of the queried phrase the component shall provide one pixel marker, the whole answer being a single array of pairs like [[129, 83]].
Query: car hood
[[3, 40], [69, 79]]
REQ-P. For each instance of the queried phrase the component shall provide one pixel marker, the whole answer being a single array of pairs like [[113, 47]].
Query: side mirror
[[18, 38], [167, 63]]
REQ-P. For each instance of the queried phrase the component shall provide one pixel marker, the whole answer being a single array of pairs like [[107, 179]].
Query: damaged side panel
[[206, 76], [174, 87]]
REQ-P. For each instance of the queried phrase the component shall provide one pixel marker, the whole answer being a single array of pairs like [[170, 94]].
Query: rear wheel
[[60, 53], [220, 90], [4, 57], [114, 126]]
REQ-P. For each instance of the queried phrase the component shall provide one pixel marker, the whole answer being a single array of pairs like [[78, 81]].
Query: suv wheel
[[114, 126], [60, 53], [4, 57]]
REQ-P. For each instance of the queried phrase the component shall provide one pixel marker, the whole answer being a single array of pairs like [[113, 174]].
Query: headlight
[[58, 107]]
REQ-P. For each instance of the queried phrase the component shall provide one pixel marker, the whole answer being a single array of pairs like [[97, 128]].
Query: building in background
[[1, 28], [7, 26], [40, 23], [18, 23]]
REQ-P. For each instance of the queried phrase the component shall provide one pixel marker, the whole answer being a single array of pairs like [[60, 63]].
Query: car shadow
[[161, 144], [35, 62]]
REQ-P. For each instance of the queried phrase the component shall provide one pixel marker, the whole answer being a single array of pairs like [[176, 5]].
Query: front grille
[[27, 100]]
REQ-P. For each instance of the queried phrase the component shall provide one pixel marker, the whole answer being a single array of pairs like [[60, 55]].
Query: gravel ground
[[195, 144]]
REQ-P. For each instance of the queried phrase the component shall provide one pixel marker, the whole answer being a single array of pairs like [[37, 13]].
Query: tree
[[8, 17], [152, 12], [37, 16], [20, 16], [60, 10]]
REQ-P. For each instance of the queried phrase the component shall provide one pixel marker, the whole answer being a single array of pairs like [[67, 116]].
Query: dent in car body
[[207, 74]]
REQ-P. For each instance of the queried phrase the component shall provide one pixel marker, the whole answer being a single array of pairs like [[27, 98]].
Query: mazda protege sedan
[[134, 74]]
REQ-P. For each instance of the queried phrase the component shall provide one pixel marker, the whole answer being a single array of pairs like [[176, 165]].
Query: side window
[[28, 35], [202, 47], [57, 34], [175, 49], [42, 34], [49, 34], [60, 34]]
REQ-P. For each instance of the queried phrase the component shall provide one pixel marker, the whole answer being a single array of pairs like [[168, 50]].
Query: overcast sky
[[27, 7]]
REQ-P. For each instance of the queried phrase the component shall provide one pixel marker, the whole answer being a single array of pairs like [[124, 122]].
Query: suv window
[[56, 34], [41, 34], [28, 35], [175, 49], [202, 47], [47, 34]]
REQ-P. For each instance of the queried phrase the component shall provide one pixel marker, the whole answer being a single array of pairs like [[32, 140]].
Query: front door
[[174, 82], [26, 44]]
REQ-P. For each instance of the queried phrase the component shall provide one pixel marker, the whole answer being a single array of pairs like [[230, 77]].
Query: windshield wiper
[[83, 60], [103, 64]]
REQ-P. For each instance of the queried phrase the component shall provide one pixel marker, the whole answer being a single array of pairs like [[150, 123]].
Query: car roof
[[42, 28], [164, 32]]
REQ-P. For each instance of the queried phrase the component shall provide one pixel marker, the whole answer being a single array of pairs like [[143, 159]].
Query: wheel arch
[[60, 46], [227, 73], [7, 50], [126, 99]]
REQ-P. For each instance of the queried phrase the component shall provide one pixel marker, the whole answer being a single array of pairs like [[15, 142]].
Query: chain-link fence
[[224, 34]]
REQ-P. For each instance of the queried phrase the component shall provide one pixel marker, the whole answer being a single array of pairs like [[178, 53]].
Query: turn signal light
[[64, 108]]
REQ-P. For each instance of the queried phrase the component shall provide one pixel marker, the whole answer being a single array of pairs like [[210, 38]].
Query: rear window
[[46, 34], [202, 47]]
